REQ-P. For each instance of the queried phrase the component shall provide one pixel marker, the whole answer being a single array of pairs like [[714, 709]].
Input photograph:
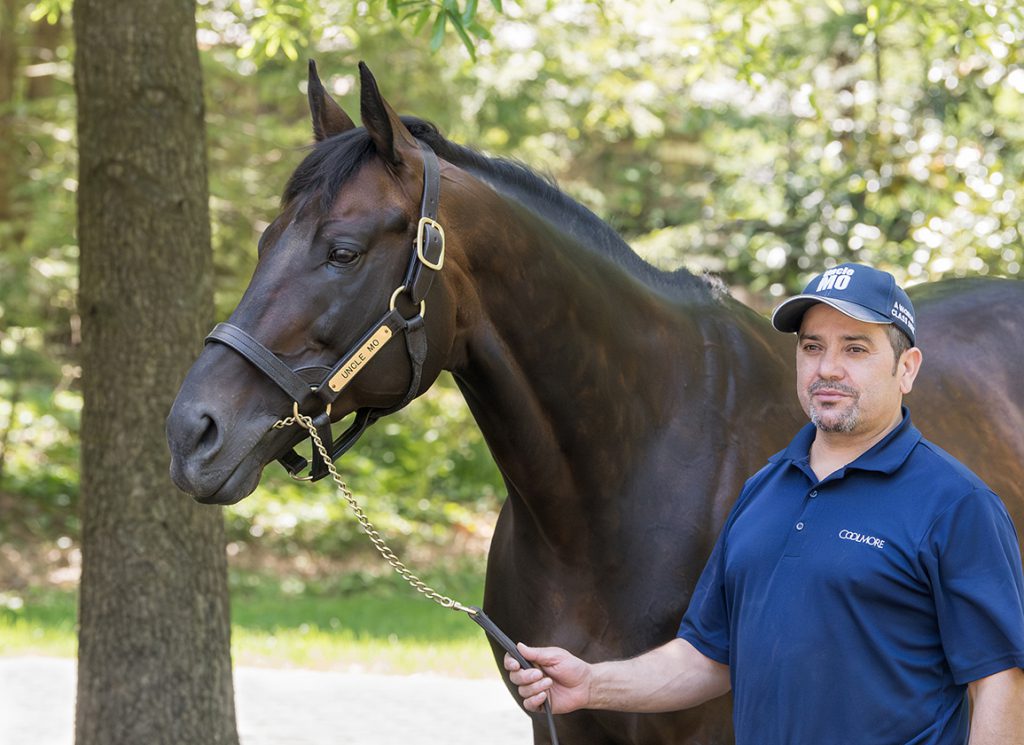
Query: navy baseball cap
[[861, 292]]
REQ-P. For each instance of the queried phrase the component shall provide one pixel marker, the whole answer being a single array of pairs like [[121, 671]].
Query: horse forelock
[[332, 162]]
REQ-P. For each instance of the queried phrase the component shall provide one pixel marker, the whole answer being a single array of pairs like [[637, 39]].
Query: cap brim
[[788, 316]]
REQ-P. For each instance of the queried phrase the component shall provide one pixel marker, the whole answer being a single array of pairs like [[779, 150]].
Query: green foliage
[[760, 140], [38, 283], [39, 481], [50, 10], [291, 28], [887, 134]]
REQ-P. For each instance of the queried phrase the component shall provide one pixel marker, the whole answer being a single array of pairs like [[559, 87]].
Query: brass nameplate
[[356, 362]]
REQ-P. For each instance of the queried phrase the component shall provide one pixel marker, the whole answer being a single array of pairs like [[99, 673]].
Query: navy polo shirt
[[854, 610]]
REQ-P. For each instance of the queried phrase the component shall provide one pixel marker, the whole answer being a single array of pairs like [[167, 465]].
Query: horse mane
[[333, 161]]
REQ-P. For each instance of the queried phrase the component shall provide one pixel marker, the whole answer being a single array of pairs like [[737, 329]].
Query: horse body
[[615, 414], [968, 396], [624, 407]]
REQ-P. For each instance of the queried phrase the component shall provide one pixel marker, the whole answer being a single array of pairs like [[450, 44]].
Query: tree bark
[[154, 657]]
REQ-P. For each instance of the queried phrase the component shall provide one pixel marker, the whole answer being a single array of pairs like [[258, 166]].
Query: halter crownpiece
[[426, 261]]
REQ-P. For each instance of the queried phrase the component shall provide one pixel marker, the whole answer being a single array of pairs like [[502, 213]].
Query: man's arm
[[670, 677], [997, 708]]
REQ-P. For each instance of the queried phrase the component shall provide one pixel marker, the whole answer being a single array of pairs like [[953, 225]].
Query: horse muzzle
[[210, 460]]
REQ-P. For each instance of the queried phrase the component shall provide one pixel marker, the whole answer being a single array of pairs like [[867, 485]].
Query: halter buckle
[[421, 234]]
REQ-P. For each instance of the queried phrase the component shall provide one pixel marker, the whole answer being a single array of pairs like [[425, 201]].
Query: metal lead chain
[[378, 543]]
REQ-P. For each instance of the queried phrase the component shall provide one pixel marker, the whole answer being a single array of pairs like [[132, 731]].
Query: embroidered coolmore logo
[[870, 540]]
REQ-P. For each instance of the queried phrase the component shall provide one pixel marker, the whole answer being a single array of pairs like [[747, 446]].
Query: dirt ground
[[291, 707]]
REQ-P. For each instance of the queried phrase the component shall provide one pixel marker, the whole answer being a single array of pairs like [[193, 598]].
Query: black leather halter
[[321, 385]]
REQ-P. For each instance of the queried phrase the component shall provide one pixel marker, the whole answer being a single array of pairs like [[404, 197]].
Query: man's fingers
[[511, 663], [534, 694], [534, 703], [526, 677]]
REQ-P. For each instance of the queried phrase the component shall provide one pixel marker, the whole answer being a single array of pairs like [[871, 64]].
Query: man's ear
[[328, 117], [907, 368], [389, 135]]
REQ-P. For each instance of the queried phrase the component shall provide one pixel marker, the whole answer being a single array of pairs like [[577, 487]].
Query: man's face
[[845, 373]]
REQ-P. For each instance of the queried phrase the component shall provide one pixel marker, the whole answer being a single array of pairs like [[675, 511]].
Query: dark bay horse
[[624, 406]]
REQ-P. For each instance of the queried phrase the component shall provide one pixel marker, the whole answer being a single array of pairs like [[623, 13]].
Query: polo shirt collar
[[885, 456]]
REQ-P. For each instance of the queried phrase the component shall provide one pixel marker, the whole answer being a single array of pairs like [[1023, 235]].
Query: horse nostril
[[209, 439]]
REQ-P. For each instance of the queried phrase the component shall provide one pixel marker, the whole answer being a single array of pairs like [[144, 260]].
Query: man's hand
[[670, 677], [558, 675]]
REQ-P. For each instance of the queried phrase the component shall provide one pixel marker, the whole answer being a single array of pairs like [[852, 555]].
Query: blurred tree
[[37, 272], [154, 657], [8, 77]]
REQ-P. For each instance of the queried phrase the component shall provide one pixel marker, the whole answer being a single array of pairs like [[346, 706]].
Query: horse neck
[[567, 361]]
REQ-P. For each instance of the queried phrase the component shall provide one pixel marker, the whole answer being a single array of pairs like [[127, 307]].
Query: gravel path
[[291, 707]]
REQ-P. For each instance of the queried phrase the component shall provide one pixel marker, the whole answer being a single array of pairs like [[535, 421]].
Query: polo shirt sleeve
[[972, 559], [706, 622]]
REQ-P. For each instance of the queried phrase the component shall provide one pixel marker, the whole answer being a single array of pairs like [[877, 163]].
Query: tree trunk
[[8, 76], [46, 37], [154, 658]]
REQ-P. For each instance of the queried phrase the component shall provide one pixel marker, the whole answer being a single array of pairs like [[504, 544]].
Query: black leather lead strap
[[492, 630]]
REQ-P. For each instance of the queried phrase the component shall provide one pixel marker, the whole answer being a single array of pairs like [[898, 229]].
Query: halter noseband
[[326, 384]]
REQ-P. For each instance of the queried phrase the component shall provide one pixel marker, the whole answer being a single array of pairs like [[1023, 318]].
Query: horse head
[[347, 310]]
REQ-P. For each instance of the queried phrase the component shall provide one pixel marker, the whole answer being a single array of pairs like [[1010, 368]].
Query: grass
[[38, 622], [379, 628]]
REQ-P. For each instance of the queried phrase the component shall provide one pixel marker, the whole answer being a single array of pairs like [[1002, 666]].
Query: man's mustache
[[831, 385]]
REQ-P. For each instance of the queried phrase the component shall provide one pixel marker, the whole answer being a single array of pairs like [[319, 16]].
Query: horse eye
[[343, 256]]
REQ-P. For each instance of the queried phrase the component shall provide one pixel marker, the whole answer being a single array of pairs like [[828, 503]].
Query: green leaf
[[421, 20], [393, 8], [283, 9], [466, 41], [497, 5], [39, 12], [477, 30], [469, 13], [872, 15], [272, 45], [437, 35], [836, 7]]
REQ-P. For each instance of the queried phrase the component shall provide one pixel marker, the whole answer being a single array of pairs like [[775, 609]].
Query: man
[[864, 586]]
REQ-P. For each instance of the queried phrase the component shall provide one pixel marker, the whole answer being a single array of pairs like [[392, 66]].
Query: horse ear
[[386, 130], [328, 118]]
